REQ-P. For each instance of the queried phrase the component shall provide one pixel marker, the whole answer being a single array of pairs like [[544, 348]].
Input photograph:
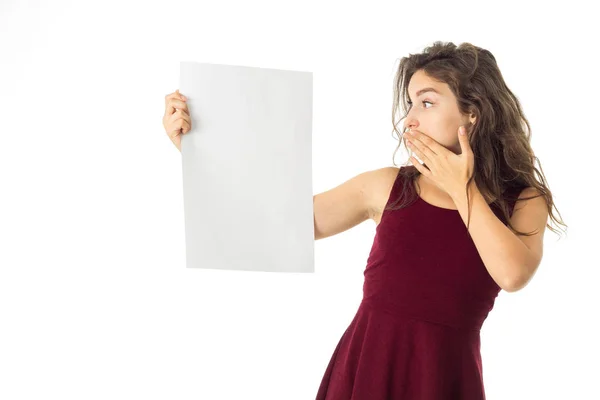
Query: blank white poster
[[247, 168]]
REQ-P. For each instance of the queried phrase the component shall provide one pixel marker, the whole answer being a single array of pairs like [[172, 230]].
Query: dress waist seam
[[378, 305]]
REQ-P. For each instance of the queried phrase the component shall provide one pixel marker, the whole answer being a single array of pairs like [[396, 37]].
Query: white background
[[95, 299]]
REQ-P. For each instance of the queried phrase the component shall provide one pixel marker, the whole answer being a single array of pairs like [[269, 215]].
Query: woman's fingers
[[174, 101], [177, 117], [175, 104], [176, 122]]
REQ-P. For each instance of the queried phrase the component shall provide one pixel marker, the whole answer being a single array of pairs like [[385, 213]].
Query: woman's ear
[[472, 119]]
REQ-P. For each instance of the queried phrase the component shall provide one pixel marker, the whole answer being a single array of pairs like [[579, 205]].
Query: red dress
[[426, 295]]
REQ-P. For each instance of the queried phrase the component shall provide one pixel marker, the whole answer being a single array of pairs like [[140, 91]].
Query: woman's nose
[[410, 123]]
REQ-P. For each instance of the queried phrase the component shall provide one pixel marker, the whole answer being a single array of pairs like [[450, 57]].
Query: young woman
[[451, 232]]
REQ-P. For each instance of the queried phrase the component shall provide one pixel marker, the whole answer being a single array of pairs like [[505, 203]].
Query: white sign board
[[247, 168]]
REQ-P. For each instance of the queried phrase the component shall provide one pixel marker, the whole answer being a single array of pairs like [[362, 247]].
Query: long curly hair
[[500, 136]]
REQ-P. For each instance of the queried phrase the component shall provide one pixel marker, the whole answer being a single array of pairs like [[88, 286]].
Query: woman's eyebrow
[[427, 89]]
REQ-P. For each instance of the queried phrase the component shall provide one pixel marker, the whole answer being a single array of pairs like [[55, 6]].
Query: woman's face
[[435, 114]]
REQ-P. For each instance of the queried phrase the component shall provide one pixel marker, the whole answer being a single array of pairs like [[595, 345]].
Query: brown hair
[[500, 136]]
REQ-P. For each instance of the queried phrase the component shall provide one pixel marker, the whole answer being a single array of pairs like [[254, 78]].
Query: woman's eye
[[424, 101]]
